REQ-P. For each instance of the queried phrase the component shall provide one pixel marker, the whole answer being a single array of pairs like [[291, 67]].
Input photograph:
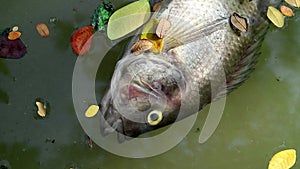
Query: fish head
[[145, 94]]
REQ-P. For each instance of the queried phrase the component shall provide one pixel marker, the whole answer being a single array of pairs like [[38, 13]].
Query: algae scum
[[261, 117]]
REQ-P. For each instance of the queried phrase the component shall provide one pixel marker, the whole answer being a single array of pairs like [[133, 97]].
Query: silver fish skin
[[204, 58]]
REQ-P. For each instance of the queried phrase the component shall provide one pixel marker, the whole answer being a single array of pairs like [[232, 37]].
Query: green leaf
[[101, 15], [128, 19]]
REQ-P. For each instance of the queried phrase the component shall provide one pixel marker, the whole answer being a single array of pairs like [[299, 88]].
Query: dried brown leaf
[[286, 11], [156, 6], [43, 29], [163, 26], [239, 22], [141, 46], [14, 35]]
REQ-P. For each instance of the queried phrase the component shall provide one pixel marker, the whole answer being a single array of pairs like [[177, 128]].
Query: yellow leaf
[[91, 111], [128, 19], [283, 160], [41, 109], [275, 16], [295, 3]]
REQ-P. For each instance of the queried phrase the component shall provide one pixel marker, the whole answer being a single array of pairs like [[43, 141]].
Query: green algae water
[[261, 118]]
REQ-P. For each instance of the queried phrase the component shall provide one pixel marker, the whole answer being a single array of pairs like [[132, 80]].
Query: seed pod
[[141, 46], [91, 111], [43, 29], [163, 26], [239, 22], [41, 109], [283, 160], [286, 11], [295, 3], [275, 16], [14, 35]]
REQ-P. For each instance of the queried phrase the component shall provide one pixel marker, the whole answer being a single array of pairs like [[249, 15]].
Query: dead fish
[[148, 91]]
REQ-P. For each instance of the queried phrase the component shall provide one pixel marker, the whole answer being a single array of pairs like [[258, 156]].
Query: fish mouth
[[133, 118], [111, 121]]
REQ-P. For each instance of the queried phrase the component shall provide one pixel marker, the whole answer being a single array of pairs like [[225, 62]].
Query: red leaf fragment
[[81, 40]]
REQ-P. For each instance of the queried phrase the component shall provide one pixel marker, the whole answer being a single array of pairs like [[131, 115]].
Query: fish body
[[204, 57]]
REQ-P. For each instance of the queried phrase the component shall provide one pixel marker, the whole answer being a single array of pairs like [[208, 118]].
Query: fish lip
[[107, 128], [110, 121]]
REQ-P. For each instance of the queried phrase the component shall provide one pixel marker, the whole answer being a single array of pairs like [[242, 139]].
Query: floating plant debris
[[43, 29], [239, 22], [163, 26], [128, 19], [90, 142], [15, 28], [275, 16], [283, 160], [295, 3], [11, 49], [156, 6], [53, 19], [141, 46], [81, 40], [101, 16], [286, 11], [14, 35], [149, 33], [92, 111], [41, 109]]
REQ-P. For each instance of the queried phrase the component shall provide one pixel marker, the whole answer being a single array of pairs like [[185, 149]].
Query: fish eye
[[154, 117]]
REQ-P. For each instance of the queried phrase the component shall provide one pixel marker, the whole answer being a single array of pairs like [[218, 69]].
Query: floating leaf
[[141, 46], [295, 3], [275, 16], [128, 19], [43, 29], [41, 109], [149, 33], [91, 111], [81, 40], [14, 35], [101, 16], [286, 11], [163, 26], [15, 28], [283, 160], [149, 30], [239, 22], [11, 49]]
